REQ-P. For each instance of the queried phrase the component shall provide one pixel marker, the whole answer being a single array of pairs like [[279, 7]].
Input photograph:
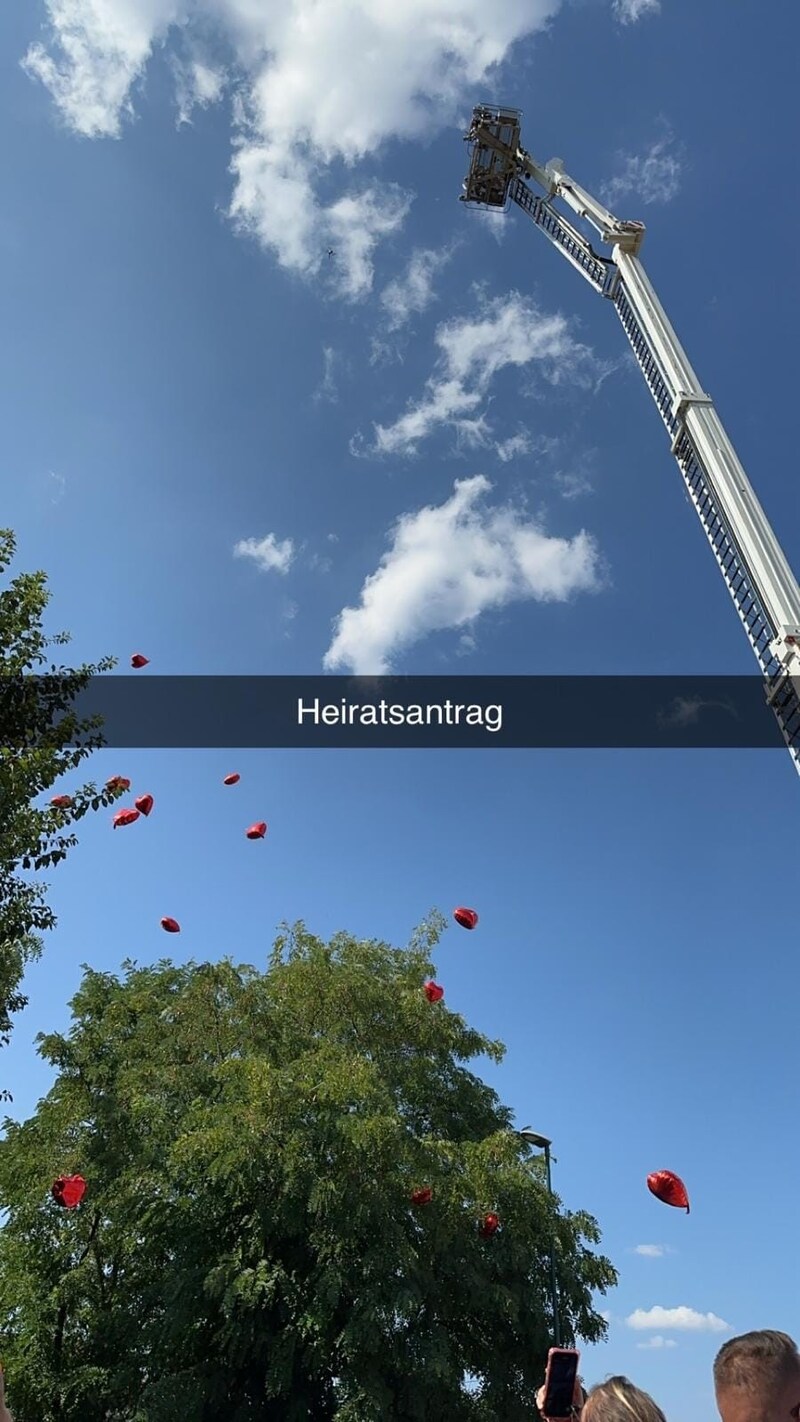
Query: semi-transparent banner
[[326, 712]]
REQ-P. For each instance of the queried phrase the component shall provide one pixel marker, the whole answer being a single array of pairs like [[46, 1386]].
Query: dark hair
[[755, 1361], [617, 1400]]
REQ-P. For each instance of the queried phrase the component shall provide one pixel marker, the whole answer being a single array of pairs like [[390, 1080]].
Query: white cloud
[[628, 11], [654, 176], [267, 553], [411, 293], [573, 484], [319, 84], [449, 563], [657, 1341], [102, 49], [514, 447], [496, 223], [327, 389], [58, 486], [650, 1251], [508, 331], [197, 84], [682, 1318], [685, 711], [356, 223]]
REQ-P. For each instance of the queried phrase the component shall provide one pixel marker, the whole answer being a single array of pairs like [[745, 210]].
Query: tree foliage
[[247, 1247], [41, 739]]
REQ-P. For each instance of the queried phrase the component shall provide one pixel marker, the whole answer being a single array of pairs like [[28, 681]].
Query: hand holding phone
[[562, 1393]]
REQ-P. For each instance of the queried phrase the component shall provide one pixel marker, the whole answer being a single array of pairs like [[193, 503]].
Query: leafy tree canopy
[[247, 1246], [41, 740]]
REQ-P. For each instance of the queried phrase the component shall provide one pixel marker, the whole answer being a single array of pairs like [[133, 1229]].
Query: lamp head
[[533, 1138]]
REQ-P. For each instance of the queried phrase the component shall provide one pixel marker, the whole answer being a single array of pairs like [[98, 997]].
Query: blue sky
[[184, 373]]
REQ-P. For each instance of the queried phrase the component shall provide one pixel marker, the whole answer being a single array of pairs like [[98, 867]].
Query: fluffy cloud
[[267, 553], [411, 293], [327, 388], [317, 85], [449, 563], [507, 331], [682, 1318], [514, 447], [654, 176], [650, 1251], [197, 84], [572, 484], [628, 11], [658, 1342], [101, 49]]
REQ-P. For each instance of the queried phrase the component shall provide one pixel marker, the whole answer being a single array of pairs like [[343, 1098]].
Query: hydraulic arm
[[759, 579]]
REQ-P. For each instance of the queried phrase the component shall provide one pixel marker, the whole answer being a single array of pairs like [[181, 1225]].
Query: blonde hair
[[617, 1400]]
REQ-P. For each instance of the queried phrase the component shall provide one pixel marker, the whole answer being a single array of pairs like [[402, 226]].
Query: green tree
[[41, 739], [247, 1246]]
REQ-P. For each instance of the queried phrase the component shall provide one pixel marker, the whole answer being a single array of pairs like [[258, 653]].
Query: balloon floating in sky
[[466, 917], [433, 992], [144, 804], [125, 817], [170, 925], [137, 660], [232, 779], [118, 782], [257, 831], [423, 1196], [490, 1226], [68, 1190], [61, 802], [668, 1188]]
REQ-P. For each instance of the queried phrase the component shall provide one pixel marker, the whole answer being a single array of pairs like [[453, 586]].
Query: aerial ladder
[[757, 575]]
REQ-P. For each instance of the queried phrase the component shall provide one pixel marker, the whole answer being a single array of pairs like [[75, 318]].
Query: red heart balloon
[[232, 779], [170, 925], [423, 1196], [144, 804], [257, 831], [466, 917], [68, 1190], [490, 1226], [434, 992], [669, 1188], [137, 660], [125, 817]]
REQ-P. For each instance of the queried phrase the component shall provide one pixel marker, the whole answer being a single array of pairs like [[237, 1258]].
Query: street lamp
[[542, 1143]]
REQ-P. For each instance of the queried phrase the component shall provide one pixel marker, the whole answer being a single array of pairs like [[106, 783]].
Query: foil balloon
[[125, 817], [467, 917], [68, 1190], [669, 1188]]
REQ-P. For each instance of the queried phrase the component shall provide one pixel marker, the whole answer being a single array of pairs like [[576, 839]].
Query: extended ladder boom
[[762, 585]]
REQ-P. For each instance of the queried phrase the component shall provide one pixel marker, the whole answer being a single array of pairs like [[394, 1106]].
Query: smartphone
[[559, 1383]]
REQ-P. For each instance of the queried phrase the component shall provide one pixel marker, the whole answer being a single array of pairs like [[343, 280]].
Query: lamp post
[[534, 1139]]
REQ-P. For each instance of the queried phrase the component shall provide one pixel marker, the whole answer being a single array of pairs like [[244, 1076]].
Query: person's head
[[617, 1400], [757, 1378]]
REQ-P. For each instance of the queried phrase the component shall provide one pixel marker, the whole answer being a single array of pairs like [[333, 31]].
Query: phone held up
[[559, 1383]]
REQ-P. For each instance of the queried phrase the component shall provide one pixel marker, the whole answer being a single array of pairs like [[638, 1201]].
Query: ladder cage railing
[[783, 693]]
